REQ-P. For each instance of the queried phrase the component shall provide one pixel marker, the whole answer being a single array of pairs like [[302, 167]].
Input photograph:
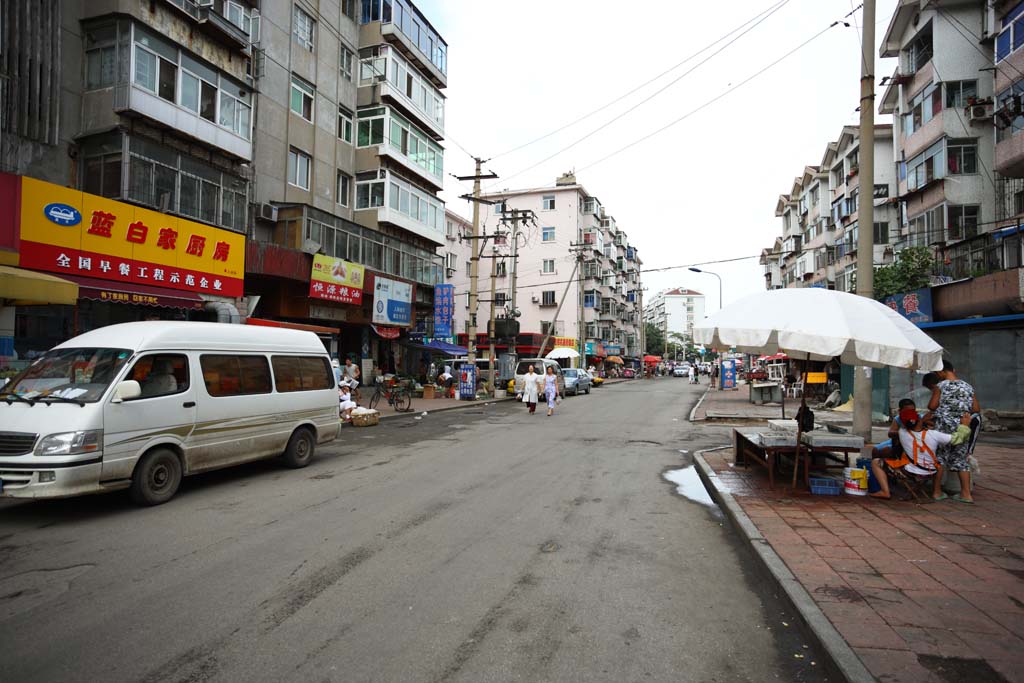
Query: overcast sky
[[701, 191]]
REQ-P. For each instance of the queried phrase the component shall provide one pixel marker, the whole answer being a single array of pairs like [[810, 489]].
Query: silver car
[[577, 381]]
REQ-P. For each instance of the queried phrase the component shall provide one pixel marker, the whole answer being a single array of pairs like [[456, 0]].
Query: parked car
[[139, 405], [539, 366], [577, 381]]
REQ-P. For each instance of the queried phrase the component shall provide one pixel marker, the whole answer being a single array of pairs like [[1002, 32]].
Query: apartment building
[[675, 310], [820, 226], [1004, 244], [348, 136], [126, 139], [571, 252]]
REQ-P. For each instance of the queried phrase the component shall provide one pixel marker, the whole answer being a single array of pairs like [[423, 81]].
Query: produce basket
[[366, 419], [825, 486]]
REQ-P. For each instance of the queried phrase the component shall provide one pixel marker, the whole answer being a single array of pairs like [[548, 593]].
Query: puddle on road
[[689, 486]]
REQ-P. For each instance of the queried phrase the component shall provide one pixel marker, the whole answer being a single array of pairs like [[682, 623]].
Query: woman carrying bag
[[531, 381]]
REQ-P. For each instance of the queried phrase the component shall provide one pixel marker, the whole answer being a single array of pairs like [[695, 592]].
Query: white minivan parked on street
[[139, 405]]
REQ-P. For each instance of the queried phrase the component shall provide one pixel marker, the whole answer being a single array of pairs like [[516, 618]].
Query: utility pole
[[474, 263], [490, 327], [525, 215], [866, 211]]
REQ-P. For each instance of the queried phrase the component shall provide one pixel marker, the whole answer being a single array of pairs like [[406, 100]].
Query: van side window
[[235, 375], [302, 373], [160, 374]]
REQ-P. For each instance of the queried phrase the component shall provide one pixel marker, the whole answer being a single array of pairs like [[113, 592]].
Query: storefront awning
[[27, 287], [132, 293], [441, 347], [615, 360]]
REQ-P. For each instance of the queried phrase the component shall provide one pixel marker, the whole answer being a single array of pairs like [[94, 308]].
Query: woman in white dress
[[531, 382]]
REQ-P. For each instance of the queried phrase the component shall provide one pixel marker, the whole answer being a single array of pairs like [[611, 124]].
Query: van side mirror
[[126, 390]]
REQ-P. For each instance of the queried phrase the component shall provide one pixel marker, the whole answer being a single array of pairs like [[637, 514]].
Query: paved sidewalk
[[726, 404], [920, 592]]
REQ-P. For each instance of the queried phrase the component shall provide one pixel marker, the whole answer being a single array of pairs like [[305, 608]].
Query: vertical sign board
[[467, 381], [392, 302], [728, 374], [444, 308]]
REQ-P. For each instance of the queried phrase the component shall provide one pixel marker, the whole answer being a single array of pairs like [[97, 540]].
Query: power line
[[649, 97], [642, 85], [714, 99]]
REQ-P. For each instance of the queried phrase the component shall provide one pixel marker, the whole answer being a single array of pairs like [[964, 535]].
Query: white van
[[540, 366], [139, 405]]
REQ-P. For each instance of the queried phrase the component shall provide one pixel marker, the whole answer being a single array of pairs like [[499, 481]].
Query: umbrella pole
[[799, 423]]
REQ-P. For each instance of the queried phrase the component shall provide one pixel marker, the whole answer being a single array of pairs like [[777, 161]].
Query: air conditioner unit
[[979, 112], [204, 3], [535, 299], [449, 272], [268, 212], [311, 246]]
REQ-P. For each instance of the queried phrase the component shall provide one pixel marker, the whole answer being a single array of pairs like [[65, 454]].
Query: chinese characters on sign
[[915, 306], [336, 280], [392, 302], [124, 243], [444, 309]]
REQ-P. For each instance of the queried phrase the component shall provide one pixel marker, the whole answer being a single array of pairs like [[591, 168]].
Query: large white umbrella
[[820, 324], [562, 352]]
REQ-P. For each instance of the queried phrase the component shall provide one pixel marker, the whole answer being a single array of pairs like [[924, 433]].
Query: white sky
[[704, 189]]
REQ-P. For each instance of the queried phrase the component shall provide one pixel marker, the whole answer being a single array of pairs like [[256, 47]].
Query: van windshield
[[524, 367], [73, 374]]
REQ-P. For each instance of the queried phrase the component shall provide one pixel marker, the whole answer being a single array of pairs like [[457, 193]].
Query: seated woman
[[891, 448], [918, 457], [345, 403]]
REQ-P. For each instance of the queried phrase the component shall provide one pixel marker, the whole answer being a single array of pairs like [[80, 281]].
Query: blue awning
[[973, 321], [441, 347]]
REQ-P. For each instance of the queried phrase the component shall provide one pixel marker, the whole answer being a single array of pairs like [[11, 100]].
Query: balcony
[[386, 76], [387, 198], [403, 26], [226, 22], [130, 98]]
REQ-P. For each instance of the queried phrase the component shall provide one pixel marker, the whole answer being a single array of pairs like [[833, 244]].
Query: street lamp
[[708, 272]]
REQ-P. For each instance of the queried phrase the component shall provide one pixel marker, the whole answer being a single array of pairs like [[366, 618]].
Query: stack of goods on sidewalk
[[365, 417]]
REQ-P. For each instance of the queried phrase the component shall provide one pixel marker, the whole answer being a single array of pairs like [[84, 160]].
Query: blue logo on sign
[[62, 214]]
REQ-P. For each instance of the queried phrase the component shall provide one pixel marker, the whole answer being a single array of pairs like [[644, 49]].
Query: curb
[[842, 659], [468, 404], [693, 412]]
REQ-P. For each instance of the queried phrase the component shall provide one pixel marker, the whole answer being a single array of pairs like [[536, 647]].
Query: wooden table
[[748, 450]]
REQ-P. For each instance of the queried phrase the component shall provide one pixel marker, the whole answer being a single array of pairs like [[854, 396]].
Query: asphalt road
[[472, 545]]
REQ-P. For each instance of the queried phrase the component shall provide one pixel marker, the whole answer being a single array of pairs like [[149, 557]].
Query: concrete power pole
[[561, 301], [866, 211], [490, 327], [474, 263]]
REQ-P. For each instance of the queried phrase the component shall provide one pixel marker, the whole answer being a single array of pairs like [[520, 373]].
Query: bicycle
[[399, 397]]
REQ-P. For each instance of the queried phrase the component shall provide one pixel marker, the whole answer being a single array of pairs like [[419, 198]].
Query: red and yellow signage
[[336, 280], [73, 232], [569, 342]]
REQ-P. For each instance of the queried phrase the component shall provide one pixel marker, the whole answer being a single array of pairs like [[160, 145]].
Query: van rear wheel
[[300, 449], [156, 478]]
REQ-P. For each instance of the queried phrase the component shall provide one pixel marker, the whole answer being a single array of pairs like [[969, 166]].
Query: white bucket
[[855, 481], [499, 393]]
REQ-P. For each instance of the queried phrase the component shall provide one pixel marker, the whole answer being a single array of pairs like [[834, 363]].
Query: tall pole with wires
[[866, 211], [474, 262]]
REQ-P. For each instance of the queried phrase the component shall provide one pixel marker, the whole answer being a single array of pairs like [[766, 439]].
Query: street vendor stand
[[818, 324]]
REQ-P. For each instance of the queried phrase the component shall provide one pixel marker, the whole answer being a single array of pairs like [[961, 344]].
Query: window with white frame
[[239, 15], [414, 144], [548, 202], [101, 48], [346, 61], [450, 260], [962, 157], [235, 113], [923, 108], [422, 207], [370, 129], [1011, 34], [919, 51], [963, 221], [369, 194], [499, 208], [925, 167], [548, 265], [304, 28], [299, 164], [959, 93], [469, 268], [302, 99], [345, 124], [547, 297], [548, 234], [344, 188]]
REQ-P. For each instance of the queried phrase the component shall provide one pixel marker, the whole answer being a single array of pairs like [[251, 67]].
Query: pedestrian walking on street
[[951, 398], [531, 387], [551, 389], [693, 376]]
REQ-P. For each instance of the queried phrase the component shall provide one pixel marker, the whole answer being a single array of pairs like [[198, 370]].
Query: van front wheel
[[300, 449], [156, 477]]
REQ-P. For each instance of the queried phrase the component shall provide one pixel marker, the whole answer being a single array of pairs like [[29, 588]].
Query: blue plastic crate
[[825, 486]]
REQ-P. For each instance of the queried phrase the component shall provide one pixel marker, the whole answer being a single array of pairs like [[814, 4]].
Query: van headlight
[[71, 443]]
